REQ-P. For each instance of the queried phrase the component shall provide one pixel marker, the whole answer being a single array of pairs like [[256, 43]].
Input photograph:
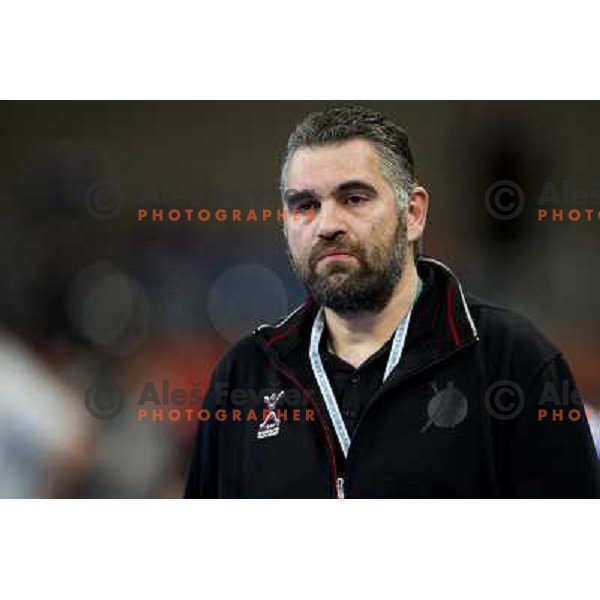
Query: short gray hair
[[340, 123]]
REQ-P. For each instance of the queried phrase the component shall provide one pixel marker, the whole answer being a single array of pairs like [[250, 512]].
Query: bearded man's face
[[349, 246]]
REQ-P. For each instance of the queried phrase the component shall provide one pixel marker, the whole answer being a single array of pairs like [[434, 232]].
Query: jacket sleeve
[[202, 480], [549, 450]]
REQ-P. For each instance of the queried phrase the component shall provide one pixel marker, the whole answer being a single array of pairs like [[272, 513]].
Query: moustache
[[321, 249]]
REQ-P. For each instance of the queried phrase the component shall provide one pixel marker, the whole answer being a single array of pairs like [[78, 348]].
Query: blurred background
[[95, 304]]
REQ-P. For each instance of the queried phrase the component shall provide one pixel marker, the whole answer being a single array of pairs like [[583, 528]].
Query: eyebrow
[[293, 197], [355, 184]]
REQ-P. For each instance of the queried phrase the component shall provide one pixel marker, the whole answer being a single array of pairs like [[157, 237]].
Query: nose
[[330, 219]]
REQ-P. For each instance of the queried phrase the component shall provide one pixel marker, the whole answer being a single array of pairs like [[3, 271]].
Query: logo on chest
[[271, 423], [447, 408]]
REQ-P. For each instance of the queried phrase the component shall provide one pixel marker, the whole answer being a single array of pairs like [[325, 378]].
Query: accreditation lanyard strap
[[323, 381]]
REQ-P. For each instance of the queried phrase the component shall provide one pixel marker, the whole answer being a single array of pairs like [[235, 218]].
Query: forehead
[[323, 167]]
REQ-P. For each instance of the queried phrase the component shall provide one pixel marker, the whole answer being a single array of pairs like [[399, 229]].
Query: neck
[[356, 337]]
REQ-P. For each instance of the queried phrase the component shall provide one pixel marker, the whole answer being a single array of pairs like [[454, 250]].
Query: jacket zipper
[[340, 488], [328, 438]]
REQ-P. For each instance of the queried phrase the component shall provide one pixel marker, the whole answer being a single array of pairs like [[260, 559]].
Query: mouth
[[330, 255]]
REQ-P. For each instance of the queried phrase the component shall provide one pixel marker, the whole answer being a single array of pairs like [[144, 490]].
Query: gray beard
[[366, 289], [363, 290]]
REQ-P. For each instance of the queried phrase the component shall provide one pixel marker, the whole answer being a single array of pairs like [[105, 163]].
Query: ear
[[418, 205]]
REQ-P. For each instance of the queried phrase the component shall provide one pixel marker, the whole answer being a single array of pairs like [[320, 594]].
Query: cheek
[[295, 243], [378, 229], [379, 234]]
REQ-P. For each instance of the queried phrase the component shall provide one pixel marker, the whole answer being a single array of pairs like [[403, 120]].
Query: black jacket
[[458, 417]]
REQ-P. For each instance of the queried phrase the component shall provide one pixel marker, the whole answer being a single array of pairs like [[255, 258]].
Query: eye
[[355, 199], [307, 205]]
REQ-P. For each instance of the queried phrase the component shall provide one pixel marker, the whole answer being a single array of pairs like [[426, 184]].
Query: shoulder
[[268, 341], [244, 354], [508, 336]]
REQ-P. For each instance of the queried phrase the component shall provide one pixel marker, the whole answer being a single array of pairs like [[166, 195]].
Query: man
[[406, 387]]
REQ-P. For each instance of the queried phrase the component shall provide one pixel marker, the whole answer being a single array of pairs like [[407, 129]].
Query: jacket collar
[[441, 322]]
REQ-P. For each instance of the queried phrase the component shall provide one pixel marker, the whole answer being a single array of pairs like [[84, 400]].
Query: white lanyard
[[323, 380]]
